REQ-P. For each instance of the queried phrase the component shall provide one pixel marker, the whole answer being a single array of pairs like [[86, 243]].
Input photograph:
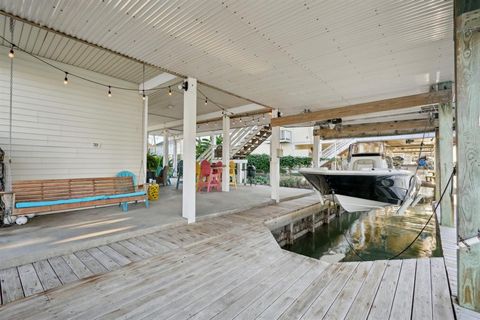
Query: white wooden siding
[[55, 126]]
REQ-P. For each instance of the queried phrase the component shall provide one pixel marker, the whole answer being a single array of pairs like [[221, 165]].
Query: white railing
[[238, 138], [335, 149]]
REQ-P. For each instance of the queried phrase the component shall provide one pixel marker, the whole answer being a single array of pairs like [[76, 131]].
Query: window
[[285, 136], [364, 164]]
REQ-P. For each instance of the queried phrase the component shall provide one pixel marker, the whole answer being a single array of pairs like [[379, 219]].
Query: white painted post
[[274, 161], [165, 148], [143, 174], [315, 151], [175, 160], [189, 141], [213, 143], [226, 154]]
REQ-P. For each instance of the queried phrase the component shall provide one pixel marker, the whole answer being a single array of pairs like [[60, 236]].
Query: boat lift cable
[[450, 179], [352, 248]]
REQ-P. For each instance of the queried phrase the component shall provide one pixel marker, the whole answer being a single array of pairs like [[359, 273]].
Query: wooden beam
[[416, 100], [377, 129], [467, 72]]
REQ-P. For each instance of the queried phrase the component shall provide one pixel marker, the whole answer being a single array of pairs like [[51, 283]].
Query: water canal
[[375, 235]]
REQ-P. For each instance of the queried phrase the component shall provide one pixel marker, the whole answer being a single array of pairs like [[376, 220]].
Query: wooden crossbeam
[[377, 129], [436, 97]]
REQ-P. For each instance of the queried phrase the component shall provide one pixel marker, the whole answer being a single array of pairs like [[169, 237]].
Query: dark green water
[[376, 235]]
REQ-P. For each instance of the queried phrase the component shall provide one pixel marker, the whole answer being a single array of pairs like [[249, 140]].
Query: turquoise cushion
[[77, 200], [56, 202], [133, 194]]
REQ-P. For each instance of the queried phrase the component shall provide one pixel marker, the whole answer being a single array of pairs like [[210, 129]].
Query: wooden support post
[[275, 161], [437, 165], [313, 223], [316, 151], [290, 235], [445, 162], [467, 53]]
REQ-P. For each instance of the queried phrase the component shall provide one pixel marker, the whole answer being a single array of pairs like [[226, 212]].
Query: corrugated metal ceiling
[[287, 54], [53, 46]]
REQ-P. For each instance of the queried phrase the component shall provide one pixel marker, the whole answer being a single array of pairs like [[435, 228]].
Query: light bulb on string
[[143, 95], [11, 53], [206, 100], [109, 91], [65, 80], [240, 120], [169, 91]]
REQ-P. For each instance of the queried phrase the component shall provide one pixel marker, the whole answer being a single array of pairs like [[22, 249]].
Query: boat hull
[[363, 191]]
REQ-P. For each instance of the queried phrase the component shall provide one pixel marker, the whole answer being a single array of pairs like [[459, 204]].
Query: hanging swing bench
[[56, 195]]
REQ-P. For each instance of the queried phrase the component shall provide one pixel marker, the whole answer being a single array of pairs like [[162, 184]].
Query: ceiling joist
[[435, 97]]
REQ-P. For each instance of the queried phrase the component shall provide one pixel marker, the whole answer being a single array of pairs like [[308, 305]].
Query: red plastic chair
[[207, 177], [217, 172]]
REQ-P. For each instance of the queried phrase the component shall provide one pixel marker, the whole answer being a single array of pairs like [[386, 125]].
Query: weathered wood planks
[[226, 270]]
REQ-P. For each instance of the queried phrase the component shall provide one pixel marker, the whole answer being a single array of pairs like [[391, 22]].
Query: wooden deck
[[224, 267]]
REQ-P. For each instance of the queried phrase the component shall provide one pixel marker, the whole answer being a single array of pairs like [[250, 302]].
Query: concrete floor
[[61, 233]]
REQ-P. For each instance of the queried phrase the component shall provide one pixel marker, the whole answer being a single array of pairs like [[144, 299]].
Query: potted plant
[[153, 161]]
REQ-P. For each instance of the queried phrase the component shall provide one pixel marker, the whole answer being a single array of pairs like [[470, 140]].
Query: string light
[[11, 54]]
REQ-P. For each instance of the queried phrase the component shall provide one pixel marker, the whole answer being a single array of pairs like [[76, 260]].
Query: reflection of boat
[[369, 182]]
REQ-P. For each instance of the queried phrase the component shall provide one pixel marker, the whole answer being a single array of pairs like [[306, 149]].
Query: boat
[[369, 182]]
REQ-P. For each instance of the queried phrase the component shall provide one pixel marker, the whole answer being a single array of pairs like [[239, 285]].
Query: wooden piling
[[467, 53]]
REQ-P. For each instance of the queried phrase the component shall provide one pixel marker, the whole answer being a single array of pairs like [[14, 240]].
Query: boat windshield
[[367, 148]]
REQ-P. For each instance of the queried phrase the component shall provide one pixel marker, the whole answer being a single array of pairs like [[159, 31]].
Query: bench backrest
[[57, 189]]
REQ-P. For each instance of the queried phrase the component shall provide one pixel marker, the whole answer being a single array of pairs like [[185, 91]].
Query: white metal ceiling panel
[[287, 54]]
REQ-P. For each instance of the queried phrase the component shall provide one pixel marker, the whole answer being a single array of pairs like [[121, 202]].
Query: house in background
[[296, 141]]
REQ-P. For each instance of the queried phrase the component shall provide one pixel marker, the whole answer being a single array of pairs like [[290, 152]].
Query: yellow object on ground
[[153, 190], [233, 177]]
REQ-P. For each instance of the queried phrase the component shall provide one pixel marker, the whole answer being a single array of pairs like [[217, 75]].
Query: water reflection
[[376, 235]]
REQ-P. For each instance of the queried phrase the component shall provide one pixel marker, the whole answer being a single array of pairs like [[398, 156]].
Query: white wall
[[300, 135], [55, 126]]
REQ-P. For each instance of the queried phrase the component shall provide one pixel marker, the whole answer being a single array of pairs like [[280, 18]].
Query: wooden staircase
[[263, 134]]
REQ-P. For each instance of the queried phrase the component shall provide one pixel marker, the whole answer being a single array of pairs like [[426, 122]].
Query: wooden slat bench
[[46, 196]]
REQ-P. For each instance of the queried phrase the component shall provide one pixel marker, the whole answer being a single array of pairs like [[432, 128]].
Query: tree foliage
[[262, 162], [153, 161]]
